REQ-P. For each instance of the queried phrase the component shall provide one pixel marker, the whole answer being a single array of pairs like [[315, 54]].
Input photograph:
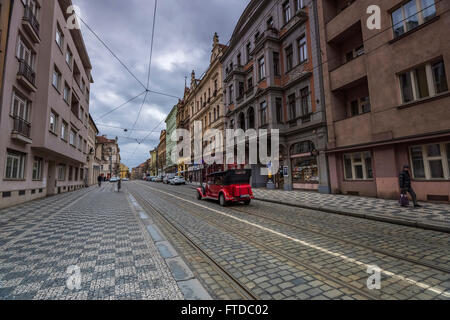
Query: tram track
[[239, 287], [284, 256], [330, 236]]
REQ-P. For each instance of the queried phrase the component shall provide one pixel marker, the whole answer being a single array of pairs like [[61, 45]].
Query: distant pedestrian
[[190, 178], [405, 184], [99, 179]]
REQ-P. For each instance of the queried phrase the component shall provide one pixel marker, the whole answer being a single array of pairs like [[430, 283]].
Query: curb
[[408, 223], [190, 286]]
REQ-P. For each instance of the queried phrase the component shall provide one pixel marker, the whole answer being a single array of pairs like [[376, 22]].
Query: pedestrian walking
[[99, 179], [405, 185], [190, 178]]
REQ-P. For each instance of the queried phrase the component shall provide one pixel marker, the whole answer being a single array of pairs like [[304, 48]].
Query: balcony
[[344, 18], [299, 18], [348, 73], [26, 76], [31, 24], [21, 131]]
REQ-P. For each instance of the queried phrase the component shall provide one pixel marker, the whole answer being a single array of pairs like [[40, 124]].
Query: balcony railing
[[26, 71], [31, 18], [22, 127]]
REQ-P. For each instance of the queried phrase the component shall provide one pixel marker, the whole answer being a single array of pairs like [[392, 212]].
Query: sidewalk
[[431, 216]]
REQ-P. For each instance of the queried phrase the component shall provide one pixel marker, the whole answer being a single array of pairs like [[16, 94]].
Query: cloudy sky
[[182, 42]]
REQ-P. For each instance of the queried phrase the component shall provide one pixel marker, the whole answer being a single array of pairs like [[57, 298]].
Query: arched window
[[241, 121], [302, 147], [251, 118]]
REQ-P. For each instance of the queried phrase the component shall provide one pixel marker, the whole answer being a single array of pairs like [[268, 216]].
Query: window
[[72, 136], [411, 15], [20, 107], [37, 169], [64, 130], [263, 113], [292, 106], [53, 124], [15, 165], [61, 172], [241, 89], [424, 81], [286, 12], [75, 177], [431, 161], [289, 58], [69, 58], [80, 143], [276, 63], [83, 85], [56, 80], [59, 37], [70, 173], [279, 107], [302, 49], [249, 83], [261, 68], [358, 166], [66, 93], [306, 105], [299, 4], [360, 106], [249, 49], [238, 59], [230, 94], [25, 54], [270, 23]]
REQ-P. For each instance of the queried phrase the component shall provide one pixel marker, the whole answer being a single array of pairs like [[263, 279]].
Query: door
[[51, 181]]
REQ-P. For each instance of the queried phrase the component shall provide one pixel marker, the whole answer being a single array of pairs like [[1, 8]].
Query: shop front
[[304, 166]]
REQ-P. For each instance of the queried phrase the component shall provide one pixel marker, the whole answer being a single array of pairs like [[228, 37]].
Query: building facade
[[162, 153], [272, 80], [183, 123], [44, 103], [109, 152], [153, 169], [205, 105], [93, 163], [387, 97], [124, 171], [171, 126]]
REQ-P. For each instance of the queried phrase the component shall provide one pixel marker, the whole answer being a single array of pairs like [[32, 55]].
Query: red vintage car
[[227, 187]]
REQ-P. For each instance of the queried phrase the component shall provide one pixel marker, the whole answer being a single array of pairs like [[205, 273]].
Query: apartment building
[[205, 104], [44, 103], [182, 122], [387, 96], [171, 127], [109, 152], [272, 79], [93, 162], [162, 153]]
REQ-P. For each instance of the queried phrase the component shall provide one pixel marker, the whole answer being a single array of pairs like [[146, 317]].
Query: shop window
[[305, 170], [358, 166], [431, 161]]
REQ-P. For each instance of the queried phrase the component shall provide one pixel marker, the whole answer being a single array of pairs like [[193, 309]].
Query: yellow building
[[124, 171]]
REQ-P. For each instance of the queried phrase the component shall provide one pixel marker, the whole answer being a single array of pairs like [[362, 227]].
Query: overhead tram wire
[[113, 54], [122, 105], [149, 68]]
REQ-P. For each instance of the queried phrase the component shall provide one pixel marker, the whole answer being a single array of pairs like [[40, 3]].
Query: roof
[[103, 139], [93, 122]]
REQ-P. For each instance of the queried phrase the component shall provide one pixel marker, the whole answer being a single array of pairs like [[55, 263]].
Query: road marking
[[336, 254]]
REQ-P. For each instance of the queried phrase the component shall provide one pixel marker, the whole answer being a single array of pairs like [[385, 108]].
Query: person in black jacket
[[99, 180], [405, 184]]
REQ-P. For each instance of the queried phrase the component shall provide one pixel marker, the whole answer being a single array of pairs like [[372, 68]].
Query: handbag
[[404, 201]]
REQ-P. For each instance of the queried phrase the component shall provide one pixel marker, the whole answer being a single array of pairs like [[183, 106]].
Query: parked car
[[167, 177], [227, 186], [177, 180], [149, 178], [125, 179], [114, 179], [159, 179]]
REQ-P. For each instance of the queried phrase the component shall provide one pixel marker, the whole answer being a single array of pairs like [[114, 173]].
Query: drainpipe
[[322, 90]]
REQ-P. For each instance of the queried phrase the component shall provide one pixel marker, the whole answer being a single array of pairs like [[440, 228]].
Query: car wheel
[[222, 200], [247, 202]]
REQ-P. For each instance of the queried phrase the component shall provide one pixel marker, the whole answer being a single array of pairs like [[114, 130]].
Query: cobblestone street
[[153, 241], [93, 229]]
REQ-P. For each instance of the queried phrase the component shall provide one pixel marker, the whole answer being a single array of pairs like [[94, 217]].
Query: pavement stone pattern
[[430, 213], [100, 234], [409, 242], [266, 274]]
